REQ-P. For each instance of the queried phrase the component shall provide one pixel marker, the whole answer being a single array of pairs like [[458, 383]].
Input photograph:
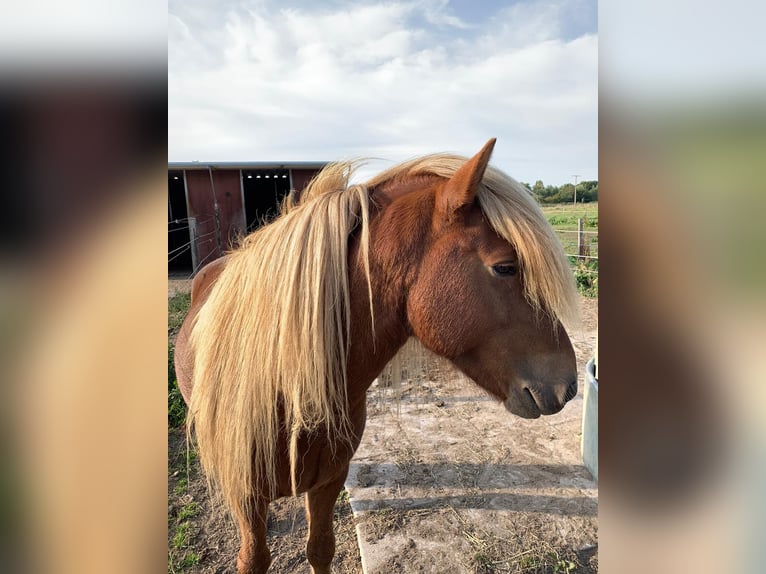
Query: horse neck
[[396, 243]]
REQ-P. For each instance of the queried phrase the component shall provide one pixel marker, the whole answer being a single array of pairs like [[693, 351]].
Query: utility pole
[[575, 190]]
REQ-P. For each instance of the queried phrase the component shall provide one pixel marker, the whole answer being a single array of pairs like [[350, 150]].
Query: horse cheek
[[441, 317]]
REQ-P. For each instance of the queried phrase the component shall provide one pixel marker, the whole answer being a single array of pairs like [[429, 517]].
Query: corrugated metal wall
[[227, 191], [301, 177]]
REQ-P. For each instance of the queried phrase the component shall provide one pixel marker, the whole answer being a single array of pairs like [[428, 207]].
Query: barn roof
[[176, 165]]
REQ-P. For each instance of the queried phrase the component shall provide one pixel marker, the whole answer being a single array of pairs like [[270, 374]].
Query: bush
[[591, 222], [555, 220], [586, 275], [560, 220]]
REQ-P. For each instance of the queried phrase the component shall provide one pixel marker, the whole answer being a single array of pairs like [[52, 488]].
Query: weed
[[564, 218], [178, 306], [586, 275], [181, 537], [176, 403], [563, 567], [191, 559], [181, 485], [529, 562], [189, 511], [484, 562]]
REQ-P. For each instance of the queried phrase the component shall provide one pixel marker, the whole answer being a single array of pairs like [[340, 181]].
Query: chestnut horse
[[287, 332]]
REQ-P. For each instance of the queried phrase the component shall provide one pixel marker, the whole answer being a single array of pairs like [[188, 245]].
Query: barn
[[211, 204]]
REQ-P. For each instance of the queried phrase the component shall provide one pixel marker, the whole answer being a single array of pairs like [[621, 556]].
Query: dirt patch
[[527, 543], [178, 285]]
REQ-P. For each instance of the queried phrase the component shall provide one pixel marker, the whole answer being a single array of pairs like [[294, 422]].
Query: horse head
[[467, 299]]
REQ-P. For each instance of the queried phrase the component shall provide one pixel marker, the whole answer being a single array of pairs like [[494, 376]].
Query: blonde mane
[[272, 337], [513, 213], [273, 333]]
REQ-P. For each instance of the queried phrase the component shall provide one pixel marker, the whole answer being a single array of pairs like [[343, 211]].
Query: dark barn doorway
[[264, 190], [179, 236]]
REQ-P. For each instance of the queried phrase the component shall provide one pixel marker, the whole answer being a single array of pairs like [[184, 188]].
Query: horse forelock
[[513, 213]]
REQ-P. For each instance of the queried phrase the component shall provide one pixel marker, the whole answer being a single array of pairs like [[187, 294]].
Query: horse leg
[[320, 503], [254, 556]]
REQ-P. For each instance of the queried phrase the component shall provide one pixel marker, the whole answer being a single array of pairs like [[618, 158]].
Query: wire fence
[[581, 246], [197, 243]]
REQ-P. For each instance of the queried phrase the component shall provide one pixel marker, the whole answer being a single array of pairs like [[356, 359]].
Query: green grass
[[178, 306], [563, 218], [584, 210], [176, 404], [586, 275], [191, 559], [189, 511], [181, 555], [181, 485], [181, 536], [568, 221]]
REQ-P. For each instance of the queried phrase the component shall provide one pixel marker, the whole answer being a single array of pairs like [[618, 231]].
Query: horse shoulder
[[183, 357], [204, 280]]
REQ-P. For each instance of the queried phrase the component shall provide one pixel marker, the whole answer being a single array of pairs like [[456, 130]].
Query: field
[[563, 218], [566, 214]]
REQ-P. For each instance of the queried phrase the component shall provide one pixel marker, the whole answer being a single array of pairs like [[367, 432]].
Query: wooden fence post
[[580, 239]]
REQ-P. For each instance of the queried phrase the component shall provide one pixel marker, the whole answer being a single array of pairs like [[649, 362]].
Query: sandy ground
[[445, 480], [178, 284]]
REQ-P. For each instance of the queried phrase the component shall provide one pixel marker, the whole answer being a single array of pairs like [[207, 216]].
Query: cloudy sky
[[299, 80]]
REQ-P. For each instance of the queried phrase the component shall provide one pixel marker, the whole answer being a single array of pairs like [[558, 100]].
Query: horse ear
[[462, 187]]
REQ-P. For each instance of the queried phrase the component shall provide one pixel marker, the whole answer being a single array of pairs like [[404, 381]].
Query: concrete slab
[[454, 483]]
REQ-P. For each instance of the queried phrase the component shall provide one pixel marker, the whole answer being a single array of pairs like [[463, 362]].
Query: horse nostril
[[571, 391]]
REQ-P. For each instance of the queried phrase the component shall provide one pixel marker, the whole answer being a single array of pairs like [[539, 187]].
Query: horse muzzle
[[529, 402]]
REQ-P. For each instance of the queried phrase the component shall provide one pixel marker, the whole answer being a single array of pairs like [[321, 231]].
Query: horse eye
[[505, 270]]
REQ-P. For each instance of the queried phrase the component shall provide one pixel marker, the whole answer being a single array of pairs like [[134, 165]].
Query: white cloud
[[437, 12], [368, 80]]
